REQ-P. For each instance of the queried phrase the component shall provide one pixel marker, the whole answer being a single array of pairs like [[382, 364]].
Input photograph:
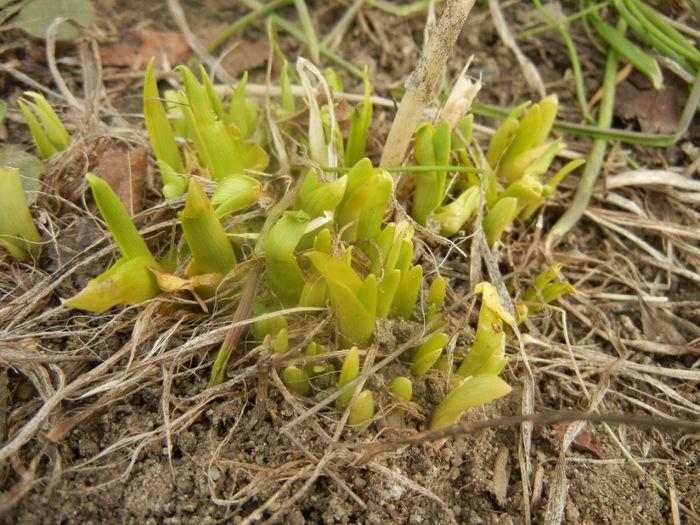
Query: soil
[[133, 435]]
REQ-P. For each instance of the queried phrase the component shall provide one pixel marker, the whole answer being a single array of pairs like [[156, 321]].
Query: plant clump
[[325, 246]]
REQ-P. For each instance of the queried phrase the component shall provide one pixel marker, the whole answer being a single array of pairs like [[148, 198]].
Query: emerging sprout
[[470, 392], [487, 353], [296, 381], [211, 250], [402, 387], [49, 134], [18, 234], [428, 353], [362, 410], [129, 280], [281, 343], [349, 371]]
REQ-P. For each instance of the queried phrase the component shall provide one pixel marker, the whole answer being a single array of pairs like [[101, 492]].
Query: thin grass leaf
[[660, 35], [309, 31], [301, 37], [245, 21], [625, 48], [359, 127], [684, 46]]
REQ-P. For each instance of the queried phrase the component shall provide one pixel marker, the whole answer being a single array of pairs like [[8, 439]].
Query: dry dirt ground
[[112, 412]]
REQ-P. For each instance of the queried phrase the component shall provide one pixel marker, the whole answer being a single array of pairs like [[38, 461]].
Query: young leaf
[[234, 193], [315, 197], [283, 272], [407, 293], [471, 392], [428, 353], [367, 194], [504, 136], [55, 131], [487, 352], [452, 216], [159, 130], [500, 216], [355, 322], [128, 281], [118, 221], [296, 381], [18, 234], [402, 387], [243, 113], [281, 343], [432, 147], [41, 139], [362, 410], [349, 371], [357, 137], [211, 249]]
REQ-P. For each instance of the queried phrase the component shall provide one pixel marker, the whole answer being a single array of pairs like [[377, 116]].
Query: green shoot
[[18, 234]]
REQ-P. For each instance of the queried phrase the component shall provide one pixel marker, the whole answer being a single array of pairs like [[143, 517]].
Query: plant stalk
[[420, 84], [596, 156]]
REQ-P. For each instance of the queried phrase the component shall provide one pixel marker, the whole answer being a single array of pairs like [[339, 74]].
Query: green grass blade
[[55, 131], [625, 48], [159, 130], [210, 246], [41, 139], [309, 31], [301, 37], [595, 157], [357, 137], [118, 221], [18, 234], [245, 21]]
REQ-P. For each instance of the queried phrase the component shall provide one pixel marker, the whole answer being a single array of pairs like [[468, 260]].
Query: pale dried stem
[[420, 84]]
